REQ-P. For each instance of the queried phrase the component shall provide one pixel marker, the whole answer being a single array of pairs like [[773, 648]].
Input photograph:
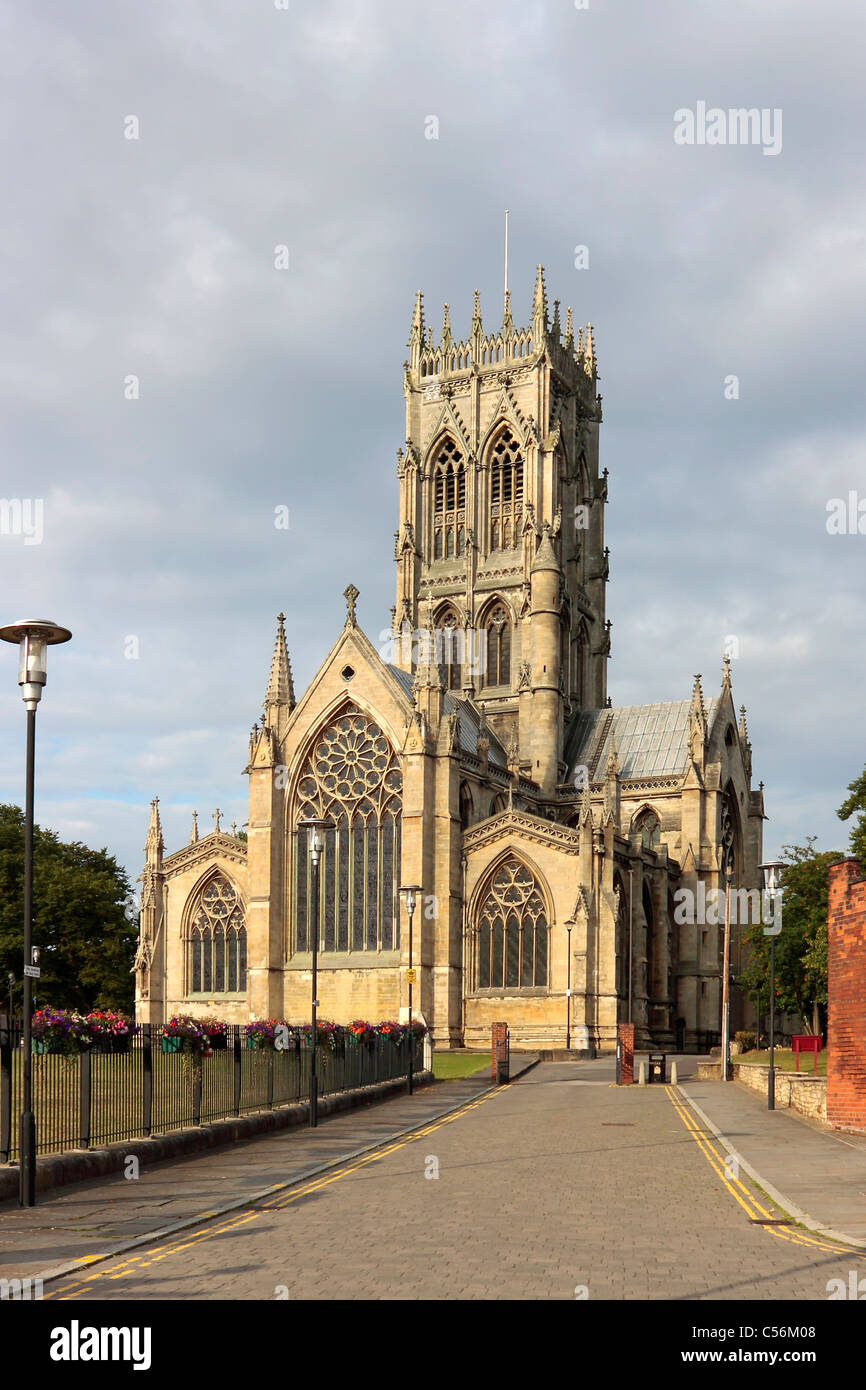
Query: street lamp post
[[409, 892], [772, 872], [315, 827], [568, 926], [32, 637]]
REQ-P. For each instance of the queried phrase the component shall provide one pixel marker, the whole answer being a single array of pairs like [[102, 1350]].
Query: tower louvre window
[[450, 641], [497, 662], [506, 492], [449, 502]]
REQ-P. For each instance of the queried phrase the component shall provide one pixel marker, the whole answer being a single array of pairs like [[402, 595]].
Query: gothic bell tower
[[501, 526]]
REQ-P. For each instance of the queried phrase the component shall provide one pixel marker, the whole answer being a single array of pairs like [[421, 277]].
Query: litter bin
[[657, 1067]]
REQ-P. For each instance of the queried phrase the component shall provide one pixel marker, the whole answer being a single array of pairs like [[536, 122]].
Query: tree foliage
[[801, 946], [83, 919], [856, 802]]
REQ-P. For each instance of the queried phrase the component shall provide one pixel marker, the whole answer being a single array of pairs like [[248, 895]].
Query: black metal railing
[[132, 1088]]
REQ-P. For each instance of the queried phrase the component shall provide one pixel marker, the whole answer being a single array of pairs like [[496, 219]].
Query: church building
[[473, 750]]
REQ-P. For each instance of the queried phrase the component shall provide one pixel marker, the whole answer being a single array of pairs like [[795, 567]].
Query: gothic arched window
[[352, 777], [506, 492], [497, 663], [512, 931], [648, 827], [217, 941], [449, 502], [449, 641]]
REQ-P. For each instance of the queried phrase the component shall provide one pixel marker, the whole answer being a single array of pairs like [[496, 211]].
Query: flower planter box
[[218, 1044], [171, 1044], [41, 1046]]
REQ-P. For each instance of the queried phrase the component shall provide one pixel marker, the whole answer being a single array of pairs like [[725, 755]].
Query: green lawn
[[783, 1060], [451, 1066]]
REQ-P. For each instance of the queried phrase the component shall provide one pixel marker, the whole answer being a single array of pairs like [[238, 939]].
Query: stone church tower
[[555, 837]]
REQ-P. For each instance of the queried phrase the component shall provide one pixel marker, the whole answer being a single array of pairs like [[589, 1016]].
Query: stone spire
[[281, 690], [569, 332], [556, 326], [589, 363], [416, 333], [697, 725], [446, 327], [154, 844], [476, 315], [539, 306], [726, 673], [193, 834], [743, 730], [507, 317], [612, 785]]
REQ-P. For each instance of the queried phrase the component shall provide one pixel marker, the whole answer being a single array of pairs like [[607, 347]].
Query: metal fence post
[[5, 1087], [196, 1088], [84, 1078], [236, 1045], [146, 1080], [270, 1078]]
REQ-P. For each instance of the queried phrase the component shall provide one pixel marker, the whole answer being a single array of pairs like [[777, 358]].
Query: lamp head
[[409, 893], [315, 827], [33, 637], [773, 871]]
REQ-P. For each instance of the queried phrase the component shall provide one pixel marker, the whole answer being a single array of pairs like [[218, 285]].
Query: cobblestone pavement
[[556, 1187]]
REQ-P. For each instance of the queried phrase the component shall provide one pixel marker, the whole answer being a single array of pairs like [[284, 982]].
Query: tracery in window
[[511, 931], [353, 778], [506, 492], [217, 941]]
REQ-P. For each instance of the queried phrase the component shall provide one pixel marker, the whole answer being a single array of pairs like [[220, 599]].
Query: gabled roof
[[468, 720], [651, 740]]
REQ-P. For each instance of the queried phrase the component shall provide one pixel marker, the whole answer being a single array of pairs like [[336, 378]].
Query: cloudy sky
[[305, 124]]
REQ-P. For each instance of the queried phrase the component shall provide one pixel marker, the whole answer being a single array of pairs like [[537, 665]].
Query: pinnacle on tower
[[539, 303], [193, 834], [476, 314], [417, 331], [726, 672], [154, 844], [446, 327], [507, 318], [569, 332], [589, 365], [556, 326], [612, 768], [280, 692], [743, 729]]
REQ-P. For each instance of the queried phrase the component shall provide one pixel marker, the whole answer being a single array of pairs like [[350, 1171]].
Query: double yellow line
[[153, 1256], [708, 1144]]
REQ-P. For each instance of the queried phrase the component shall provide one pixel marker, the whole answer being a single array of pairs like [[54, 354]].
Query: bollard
[[673, 1073], [642, 1074]]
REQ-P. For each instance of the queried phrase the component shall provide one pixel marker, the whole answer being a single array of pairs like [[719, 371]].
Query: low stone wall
[[805, 1094]]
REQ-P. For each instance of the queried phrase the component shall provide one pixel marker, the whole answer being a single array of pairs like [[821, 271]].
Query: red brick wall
[[846, 994], [626, 1037], [498, 1041]]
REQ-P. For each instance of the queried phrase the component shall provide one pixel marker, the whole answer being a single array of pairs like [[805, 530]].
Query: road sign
[[32, 971], [412, 976]]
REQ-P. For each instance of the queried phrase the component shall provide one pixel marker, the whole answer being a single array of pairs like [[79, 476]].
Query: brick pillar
[[498, 1048], [625, 1034], [846, 996]]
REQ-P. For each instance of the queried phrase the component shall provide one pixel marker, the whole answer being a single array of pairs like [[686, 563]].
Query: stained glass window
[[352, 777], [217, 941], [512, 931]]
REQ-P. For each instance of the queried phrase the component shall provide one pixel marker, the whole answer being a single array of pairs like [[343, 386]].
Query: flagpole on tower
[[506, 253]]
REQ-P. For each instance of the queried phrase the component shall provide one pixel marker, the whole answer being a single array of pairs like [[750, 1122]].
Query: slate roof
[[467, 721], [651, 740]]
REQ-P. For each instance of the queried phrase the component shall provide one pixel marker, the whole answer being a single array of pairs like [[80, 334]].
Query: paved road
[[558, 1186]]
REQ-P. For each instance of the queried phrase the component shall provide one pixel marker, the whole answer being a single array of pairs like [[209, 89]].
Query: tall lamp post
[[727, 864], [315, 827], [568, 993], [33, 637], [772, 872], [409, 893]]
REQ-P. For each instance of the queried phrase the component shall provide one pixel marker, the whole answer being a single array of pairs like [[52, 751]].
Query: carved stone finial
[[193, 834], [351, 595], [216, 820]]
